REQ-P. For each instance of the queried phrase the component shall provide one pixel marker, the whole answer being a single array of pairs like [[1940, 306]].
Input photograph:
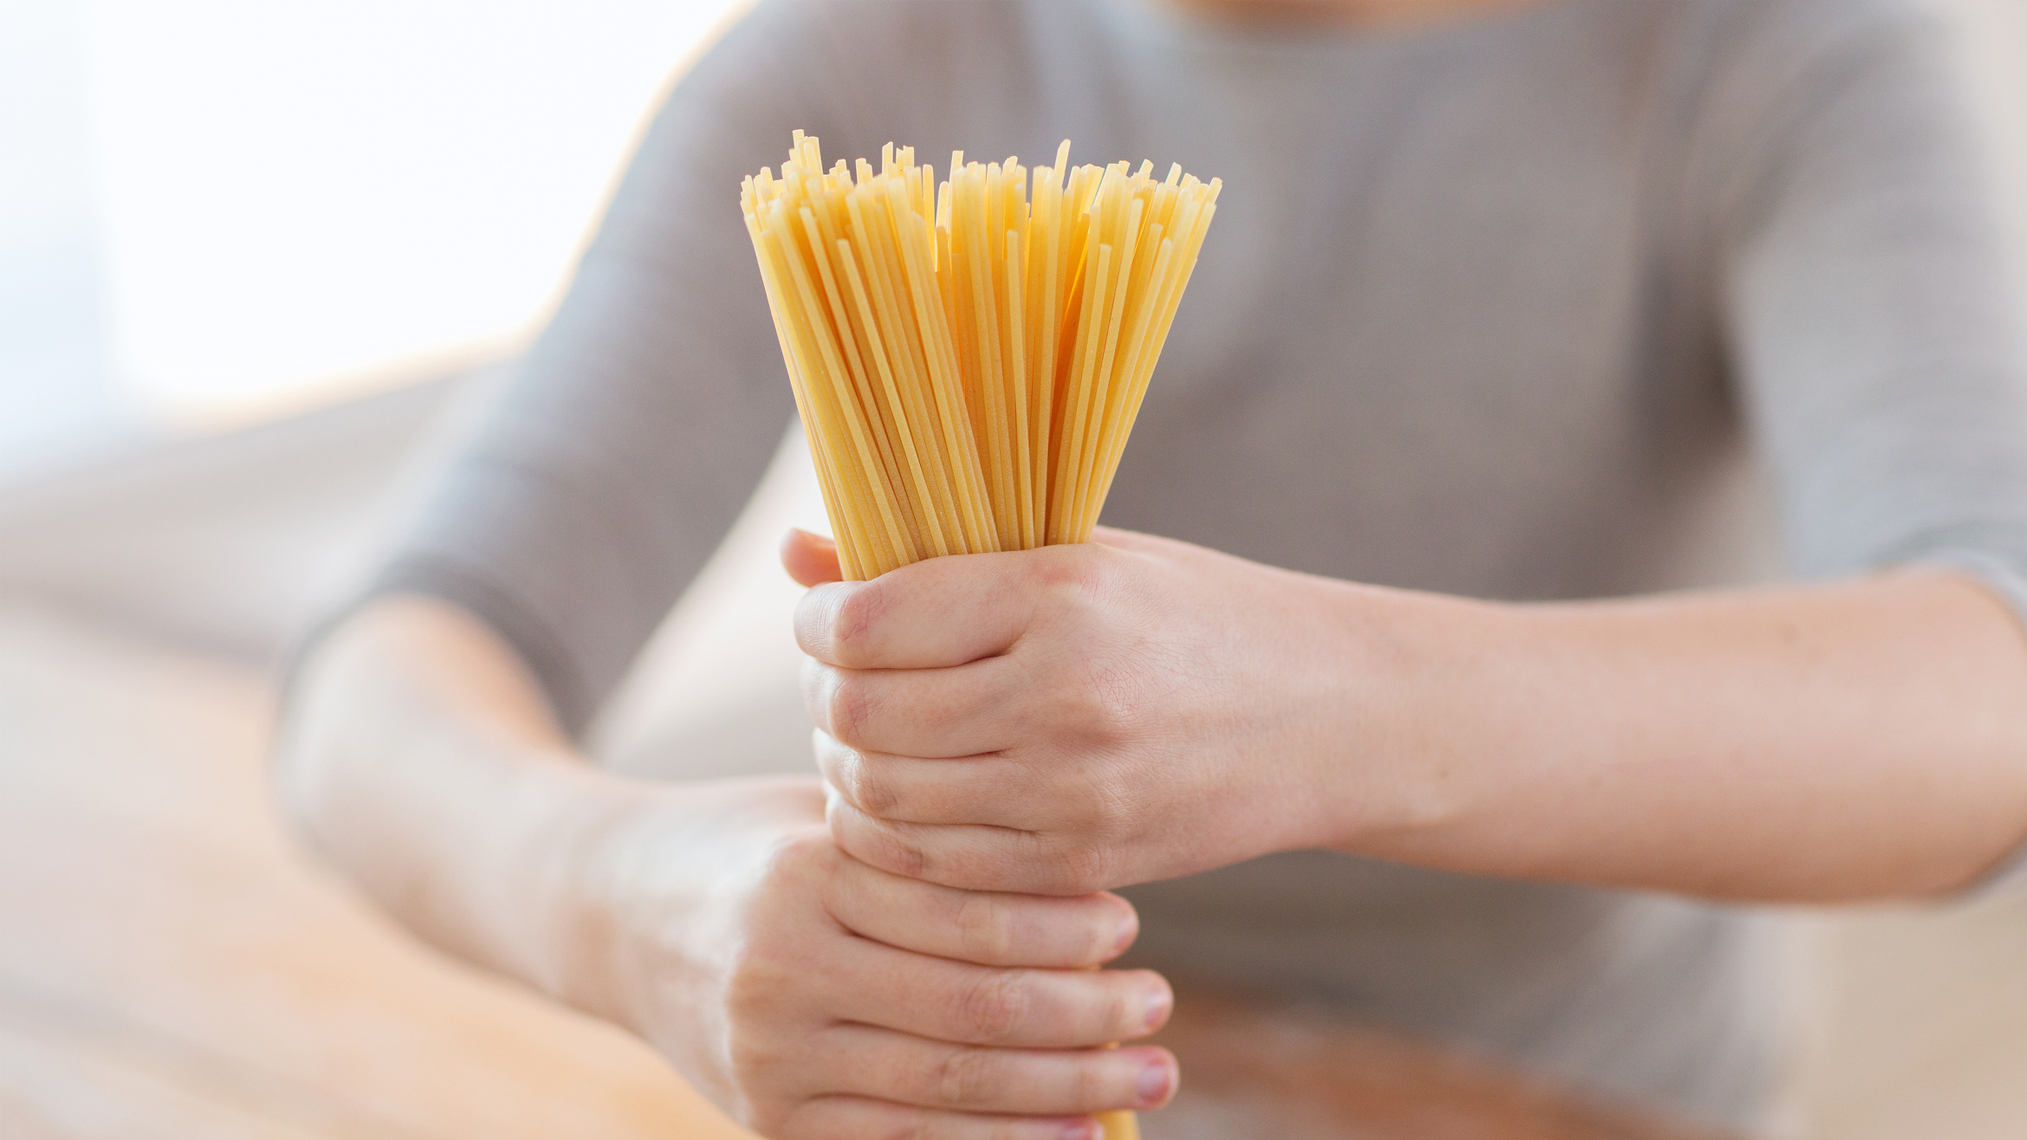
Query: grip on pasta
[[967, 360]]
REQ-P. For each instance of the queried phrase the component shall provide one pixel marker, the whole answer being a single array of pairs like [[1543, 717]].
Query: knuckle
[[1090, 1080], [848, 703], [887, 1122], [908, 859], [754, 983], [994, 1005], [1081, 868], [795, 1123], [1075, 572], [1096, 699], [985, 927], [852, 623], [796, 872], [874, 793], [1116, 1010], [816, 1118], [1110, 813], [803, 858], [880, 843], [966, 1076], [752, 1057], [888, 848]]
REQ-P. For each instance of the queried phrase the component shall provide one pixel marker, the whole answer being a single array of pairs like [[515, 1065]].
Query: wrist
[[1412, 685], [565, 863], [642, 865]]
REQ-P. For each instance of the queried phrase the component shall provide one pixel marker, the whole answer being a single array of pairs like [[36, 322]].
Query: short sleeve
[[1874, 323]]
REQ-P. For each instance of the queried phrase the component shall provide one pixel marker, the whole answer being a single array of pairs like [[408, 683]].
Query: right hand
[[814, 997]]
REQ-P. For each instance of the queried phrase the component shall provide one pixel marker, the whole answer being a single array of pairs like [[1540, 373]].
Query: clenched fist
[[815, 997], [1073, 718]]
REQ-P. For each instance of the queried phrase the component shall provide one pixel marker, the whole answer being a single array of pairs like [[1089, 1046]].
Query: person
[[1455, 694]]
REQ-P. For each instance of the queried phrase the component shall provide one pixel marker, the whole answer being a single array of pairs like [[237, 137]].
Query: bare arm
[[807, 994], [422, 759], [1855, 740], [1163, 709]]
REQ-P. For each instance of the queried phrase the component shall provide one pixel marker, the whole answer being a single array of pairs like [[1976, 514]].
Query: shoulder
[[1797, 22], [1797, 50], [1770, 90]]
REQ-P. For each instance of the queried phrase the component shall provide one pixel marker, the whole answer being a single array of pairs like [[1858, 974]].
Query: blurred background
[[254, 259]]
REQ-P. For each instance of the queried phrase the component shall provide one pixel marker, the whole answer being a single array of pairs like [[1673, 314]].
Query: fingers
[[933, 713], [842, 1117], [986, 929], [810, 559], [990, 790], [931, 614], [1001, 1006], [934, 1074], [971, 857]]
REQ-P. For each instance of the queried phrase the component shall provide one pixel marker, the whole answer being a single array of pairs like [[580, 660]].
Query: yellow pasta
[[968, 361], [968, 358]]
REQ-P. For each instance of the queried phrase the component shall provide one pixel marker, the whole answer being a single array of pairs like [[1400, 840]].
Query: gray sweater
[[1590, 298]]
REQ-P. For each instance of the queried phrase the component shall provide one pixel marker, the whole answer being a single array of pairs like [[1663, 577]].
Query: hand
[[1074, 718], [812, 996]]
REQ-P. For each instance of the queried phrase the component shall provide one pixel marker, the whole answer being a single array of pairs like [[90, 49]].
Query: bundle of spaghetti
[[968, 359]]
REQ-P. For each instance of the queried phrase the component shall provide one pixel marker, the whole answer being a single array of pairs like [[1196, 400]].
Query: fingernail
[[1082, 1130], [1158, 1004], [1155, 1086], [1129, 927]]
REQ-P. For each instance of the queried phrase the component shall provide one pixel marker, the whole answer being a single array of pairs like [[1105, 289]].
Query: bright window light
[[308, 197]]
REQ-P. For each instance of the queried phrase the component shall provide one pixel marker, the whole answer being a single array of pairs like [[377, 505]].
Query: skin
[[1078, 717], [805, 992], [904, 947]]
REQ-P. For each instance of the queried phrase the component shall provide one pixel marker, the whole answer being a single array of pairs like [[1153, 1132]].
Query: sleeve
[[1874, 328], [638, 424]]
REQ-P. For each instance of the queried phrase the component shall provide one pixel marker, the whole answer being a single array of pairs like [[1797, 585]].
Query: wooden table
[[172, 967]]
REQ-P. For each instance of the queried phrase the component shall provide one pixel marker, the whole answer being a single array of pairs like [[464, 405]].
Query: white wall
[[297, 192], [209, 204], [50, 366]]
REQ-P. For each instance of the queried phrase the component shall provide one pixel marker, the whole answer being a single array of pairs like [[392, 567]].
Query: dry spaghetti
[[968, 359]]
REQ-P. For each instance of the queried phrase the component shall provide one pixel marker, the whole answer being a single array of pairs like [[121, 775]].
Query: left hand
[[1075, 718]]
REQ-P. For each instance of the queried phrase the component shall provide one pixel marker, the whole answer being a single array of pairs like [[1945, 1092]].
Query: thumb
[[810, 559]]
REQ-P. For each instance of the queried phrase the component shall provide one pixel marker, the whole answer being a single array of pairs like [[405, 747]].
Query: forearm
[[1855, 740], [805, 993], [423, 762]]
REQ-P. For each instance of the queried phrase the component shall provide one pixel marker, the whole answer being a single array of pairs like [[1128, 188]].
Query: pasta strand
[[968, 356]]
